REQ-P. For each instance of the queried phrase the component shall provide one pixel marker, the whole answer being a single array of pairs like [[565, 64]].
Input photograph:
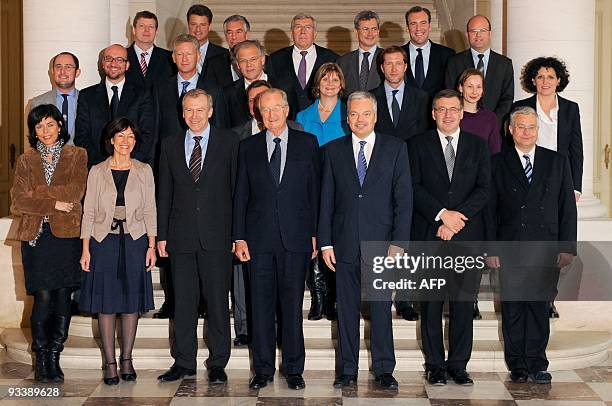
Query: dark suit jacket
[[245, 129], [294, 205], [212, 52], [93, 112], [499, 80], [219, 72], [413, 115], [281, 62], [160, 67], [381, 210], [569, 134], [468, 192], [543, 210], [350, 67], [436, 70], [193, 216]]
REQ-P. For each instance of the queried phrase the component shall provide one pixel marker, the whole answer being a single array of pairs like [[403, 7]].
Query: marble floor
[[581, 387]]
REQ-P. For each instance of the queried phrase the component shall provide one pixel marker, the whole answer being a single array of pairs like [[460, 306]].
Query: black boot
[[59, 334], [318, 291], [40, 348]]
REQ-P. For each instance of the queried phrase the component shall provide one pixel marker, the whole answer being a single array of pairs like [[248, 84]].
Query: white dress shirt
[[443, 143], [372, 52], [263, 76], [311, 58], [426, 51], [139, 51], [531, 155], [547, 127], [109, 91]]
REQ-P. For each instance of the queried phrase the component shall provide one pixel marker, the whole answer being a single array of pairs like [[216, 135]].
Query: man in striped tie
[[532, 200]]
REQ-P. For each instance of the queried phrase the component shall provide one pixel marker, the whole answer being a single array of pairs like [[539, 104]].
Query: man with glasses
[[112, 98], [497, 69], [64, 95], [451, 179], [296, 65], [276, 206], [359, 67]]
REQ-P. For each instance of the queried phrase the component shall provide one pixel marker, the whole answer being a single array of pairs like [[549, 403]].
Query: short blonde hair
[[194, 94]]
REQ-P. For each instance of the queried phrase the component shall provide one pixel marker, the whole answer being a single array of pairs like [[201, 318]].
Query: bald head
[[114, 62], [479, 33]]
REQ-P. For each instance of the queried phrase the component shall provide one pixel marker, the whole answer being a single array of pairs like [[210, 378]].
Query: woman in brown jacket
[[118, 231], [48, 187]]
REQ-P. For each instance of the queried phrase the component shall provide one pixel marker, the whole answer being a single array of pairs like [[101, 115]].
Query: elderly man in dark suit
[[151, 65], [532, 199], [113, 97], [497, 69], [276, 207], [295, 66], [428, 60], [451, 179], [361, 71], [364, 173], [197, 174]]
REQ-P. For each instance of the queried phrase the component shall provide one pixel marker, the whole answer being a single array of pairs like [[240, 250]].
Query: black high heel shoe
[[110, 381], [129, 377]]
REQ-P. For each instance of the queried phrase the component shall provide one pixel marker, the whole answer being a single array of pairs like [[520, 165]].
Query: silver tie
[[449, 157]]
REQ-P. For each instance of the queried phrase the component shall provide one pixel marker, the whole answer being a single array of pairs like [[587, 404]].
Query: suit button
[[523, 225], [450, 193], [197, 189], [542, 208], [523, 206], [514, 190], [197, 209], [360, 196]]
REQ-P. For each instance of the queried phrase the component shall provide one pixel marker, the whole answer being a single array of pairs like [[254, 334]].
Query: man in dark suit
[[276, 209], [451, 180], [532, 199], [296, 65], [497, 69], [220, 70], [151, 65], [361, 71], [364, 173], [428, 60], [402, 109], [199, 20], [113, 97], [197, 174]]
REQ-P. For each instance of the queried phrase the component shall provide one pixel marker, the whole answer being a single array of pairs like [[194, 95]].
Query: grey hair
[[272, 90], [303, 16], [366, 15], [362, 95], [524, 110], [184, 38], [236, 18], [245, 44], [195, 93]]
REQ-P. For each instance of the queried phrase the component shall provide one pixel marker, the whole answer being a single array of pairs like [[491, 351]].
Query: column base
[[590, 207]]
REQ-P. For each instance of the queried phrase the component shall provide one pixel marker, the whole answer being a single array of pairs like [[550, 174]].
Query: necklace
[[325, 109]]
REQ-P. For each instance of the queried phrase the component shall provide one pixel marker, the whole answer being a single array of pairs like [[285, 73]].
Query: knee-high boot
[[318, 291], [40, 347], [59, 333]]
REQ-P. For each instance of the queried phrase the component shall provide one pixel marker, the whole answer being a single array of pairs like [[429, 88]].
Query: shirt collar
[[119, 85], [531, 153], [192, 79], [71, 93], [443, 136], [297, 50], [370, 139], [139, 50], [475, 53], [389, 89], [263, 76], [553, 112], [284, 135], [413, 47], [205, 134], [372, 50]]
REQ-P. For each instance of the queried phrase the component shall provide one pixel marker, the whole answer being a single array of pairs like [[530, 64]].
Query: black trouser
[[348, 296], [211, 273], [278, 276]]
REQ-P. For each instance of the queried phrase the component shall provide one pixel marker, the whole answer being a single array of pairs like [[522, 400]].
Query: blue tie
[[362, 164], [528, 168], [185, 85], [275, 161]]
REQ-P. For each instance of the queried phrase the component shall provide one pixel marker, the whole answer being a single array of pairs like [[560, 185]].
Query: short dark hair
[[531, 68], [393, 49], [366, 15], [467, 74], [38, 114], [257, 84], [200, 10], [116, 126], [145, 14], [76, 60], [447, 94], [418, 9]]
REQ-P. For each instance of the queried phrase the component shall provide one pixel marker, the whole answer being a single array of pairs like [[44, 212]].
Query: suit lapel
[[491, 68], [516, 167], [347, 145], [354, 73], [435, 150], [153, 62], [102, 100], [384, 114], [178, 152], [405, 110], [374, 164], [127, 97], [213, 143]]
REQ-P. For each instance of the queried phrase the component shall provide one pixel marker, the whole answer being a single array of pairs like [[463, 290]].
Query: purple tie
[[302, 70]]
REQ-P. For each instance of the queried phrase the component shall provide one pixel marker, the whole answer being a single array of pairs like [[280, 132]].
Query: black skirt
[[52, 264], [102, 290]]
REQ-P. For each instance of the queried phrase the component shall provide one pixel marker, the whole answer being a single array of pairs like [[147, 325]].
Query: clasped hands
[[452, 222]]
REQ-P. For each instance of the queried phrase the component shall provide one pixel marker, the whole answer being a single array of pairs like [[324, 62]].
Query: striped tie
[[143, 63], [362, 164], [449, 157], [528, 168], [195, 162]]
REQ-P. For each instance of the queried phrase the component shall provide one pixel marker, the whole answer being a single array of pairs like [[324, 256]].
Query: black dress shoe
[[386, 381], [241, 340], [295, 381], [552, 311], [164, 313], [461, 377], [518, 376], [436, 377], [541, 377], [217, 375], [260, 381], [113, 380], [128, 376], [175, 373], [343, 381], [476, 314], [408, 313]]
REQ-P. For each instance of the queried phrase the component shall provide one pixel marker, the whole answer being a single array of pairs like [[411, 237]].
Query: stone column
[[565, 29]]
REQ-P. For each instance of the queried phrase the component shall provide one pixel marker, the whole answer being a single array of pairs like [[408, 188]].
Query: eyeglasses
[[275, 109], [529, 128], [117, 59], [64, 67], [366, 30], [451, 110], [249, 61], [303, 27], [478, 30]]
